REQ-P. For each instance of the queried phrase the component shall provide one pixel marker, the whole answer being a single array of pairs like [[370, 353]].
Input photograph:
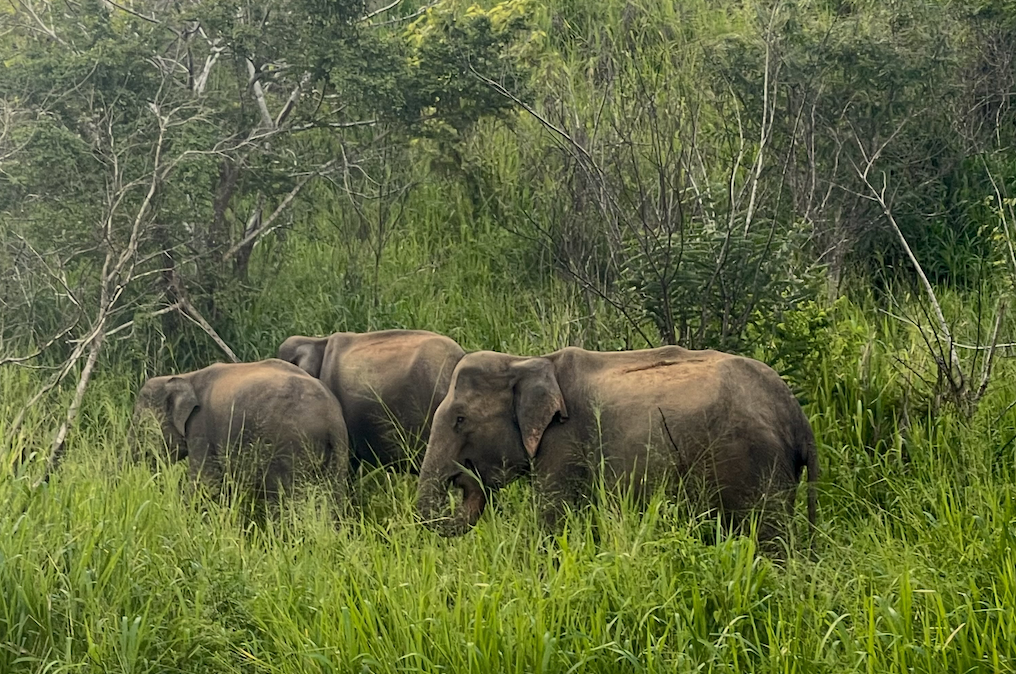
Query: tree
[[149, 148]]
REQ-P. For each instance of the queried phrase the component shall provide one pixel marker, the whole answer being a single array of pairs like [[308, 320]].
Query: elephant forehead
[[153, 387], [482, 369], [479, 388], [477, 400], [148, 415]]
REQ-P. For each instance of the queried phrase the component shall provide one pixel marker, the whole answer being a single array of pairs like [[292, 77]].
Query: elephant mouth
[[470, 503], [474, 500]]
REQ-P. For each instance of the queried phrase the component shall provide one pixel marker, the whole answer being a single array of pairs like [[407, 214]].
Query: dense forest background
[[826, 185]]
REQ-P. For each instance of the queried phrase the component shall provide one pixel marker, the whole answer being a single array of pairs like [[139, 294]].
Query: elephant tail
[[808, 459], [812, 466]]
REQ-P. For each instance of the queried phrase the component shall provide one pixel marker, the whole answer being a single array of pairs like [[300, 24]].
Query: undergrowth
[[110, 568]]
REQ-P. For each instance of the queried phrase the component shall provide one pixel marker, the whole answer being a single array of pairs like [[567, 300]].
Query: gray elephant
[[388, 382], [268, 424], [726, 428]]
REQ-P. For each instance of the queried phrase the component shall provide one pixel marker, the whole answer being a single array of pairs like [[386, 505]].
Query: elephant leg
[[776, 515], [337, 488], [774, 511], [559, 492], [204, 468], [335, 465], [282, 476]]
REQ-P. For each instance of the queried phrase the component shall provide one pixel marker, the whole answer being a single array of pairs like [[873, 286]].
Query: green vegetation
[[687, 171], [914, 568]]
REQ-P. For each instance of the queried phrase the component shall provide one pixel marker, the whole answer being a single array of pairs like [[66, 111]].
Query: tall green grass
[[120, 569], [104, 570]]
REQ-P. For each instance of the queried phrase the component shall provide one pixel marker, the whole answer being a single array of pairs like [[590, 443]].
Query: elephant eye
[[459, 420]]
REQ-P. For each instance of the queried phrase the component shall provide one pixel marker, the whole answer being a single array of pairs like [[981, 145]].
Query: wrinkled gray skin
[[389, 384], [727, 426], [276, 425]]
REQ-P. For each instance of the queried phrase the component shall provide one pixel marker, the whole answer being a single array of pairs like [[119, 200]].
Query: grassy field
[[115, 568], [914, 569]]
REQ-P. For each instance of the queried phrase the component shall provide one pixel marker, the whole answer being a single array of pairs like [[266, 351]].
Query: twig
[[259, 95], [407, 17], [334, 125], [194, 315], [1005, 345], [46, 29], [955, 369], [149, 19], [1001, 213], [189, 311], [584, 282], [58, 448], [124, 326], [382, 10], [292, 100], [767, 115], [986, 371], [269, 224], [538, 117], [667, 428], [17, 360]]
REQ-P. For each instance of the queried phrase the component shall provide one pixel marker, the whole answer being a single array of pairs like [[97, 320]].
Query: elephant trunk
[[141, 444], [432, 501], [134, 438]]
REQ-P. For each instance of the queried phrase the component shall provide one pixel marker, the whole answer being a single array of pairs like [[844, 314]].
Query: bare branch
[[988, 362], [408, 17], [190, 312], [259, 95], [27, 7], [954, 371], [17, 360], [292, 100], [58, 376], [149, 19], [767, 122], [1005, 221], [59, 445], [382, 10], [269, 224], [582, 152], [334, 125], [201, 81], [130, 323]]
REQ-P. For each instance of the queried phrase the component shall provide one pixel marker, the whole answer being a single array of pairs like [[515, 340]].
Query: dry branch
[[18, 360], [940, 342], [189, 311], [269, 224], [259, 95]]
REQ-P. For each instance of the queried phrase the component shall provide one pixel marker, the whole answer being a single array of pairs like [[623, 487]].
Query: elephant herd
[[722, 431]]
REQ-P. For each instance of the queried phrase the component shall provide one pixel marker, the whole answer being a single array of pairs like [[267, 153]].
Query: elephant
[[724, 429], [389, 383], [267, 422]]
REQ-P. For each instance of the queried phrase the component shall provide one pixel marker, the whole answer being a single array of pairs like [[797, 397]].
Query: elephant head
[[171, 400], [307, 353], [485, 433]]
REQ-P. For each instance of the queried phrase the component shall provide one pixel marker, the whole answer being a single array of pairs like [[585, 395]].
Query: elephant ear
[[306, 353], [537, 399], [182, 402]]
